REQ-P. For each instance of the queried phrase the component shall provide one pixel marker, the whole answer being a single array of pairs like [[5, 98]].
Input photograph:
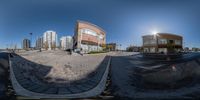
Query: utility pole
[[7, 46]]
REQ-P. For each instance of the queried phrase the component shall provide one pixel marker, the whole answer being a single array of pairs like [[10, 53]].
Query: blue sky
[[124, 21]]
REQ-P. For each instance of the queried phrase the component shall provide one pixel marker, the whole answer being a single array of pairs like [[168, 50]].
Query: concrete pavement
[[126, 83]]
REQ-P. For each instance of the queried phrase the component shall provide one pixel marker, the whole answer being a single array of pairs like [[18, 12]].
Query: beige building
[[88, 37], [162, 43]]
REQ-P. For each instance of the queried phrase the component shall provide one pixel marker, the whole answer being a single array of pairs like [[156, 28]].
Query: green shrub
[[96, 52]]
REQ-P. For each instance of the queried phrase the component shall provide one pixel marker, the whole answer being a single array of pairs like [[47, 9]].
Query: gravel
[[57, 66]]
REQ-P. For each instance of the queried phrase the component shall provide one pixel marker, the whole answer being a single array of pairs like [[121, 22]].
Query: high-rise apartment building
[[39, 43], [66, 42], [26, 44], [49, 40]]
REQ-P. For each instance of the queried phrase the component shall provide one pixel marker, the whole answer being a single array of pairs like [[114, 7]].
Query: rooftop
[[80, 21]]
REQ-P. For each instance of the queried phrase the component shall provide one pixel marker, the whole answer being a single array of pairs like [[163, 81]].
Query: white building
[[50, 40], [66, 42]]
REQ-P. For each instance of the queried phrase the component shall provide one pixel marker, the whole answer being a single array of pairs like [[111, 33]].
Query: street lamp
[[31, 39]]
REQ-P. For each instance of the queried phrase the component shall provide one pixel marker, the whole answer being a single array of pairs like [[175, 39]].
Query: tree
[[46, 46], [53, 45], [103, 46], [110, 47]]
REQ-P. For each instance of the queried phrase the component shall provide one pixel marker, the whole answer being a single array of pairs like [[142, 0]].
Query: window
[[149, 42], [101, 36], [162, 50], [88, 31], [152, 50], [171, 41], [162, 41], [178, 42]]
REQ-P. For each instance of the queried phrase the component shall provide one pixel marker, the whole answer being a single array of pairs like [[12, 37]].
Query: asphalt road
[[122, 71], [3, 73]]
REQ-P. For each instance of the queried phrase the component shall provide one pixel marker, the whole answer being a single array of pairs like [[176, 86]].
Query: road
[[3, 73], [124, 80]]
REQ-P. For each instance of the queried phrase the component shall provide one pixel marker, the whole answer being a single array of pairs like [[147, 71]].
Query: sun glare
[[154, 32]]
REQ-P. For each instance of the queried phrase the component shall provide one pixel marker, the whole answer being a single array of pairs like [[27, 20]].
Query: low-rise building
[[111, 46], [134, 48], [162, 43], [195, 49], [186, 49], [88, 37]]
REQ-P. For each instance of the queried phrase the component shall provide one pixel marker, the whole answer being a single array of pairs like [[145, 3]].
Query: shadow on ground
[[33, 78], [4, 74]]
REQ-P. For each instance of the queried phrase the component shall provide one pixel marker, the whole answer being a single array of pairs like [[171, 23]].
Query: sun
[[154, 32]]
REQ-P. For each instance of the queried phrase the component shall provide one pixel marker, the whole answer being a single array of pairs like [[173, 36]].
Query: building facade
[[26, 44], [111, 46], [88, 37], [134, 49], [186, 49], [66, 43], [195, 49], [39, 43], [49, 40], [162, 43]]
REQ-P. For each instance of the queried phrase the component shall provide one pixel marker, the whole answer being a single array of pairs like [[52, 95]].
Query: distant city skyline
[[125, 21]]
